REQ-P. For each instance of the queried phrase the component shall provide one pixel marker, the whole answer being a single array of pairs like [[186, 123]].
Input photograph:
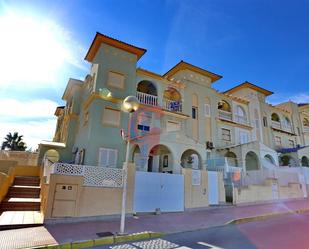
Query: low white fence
[[94, 176]]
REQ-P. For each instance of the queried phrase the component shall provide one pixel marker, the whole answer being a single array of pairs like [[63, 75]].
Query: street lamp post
[[130, 105]]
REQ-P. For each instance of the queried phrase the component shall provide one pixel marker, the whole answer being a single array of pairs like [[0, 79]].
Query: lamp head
[[130, 104]]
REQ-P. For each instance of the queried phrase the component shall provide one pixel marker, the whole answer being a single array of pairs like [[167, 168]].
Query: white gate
[[158, 190], [213, 188]]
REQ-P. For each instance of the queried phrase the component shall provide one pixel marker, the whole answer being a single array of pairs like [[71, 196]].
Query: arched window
[[147, 93], [240, 116], [172, 100], [275, 117], [224, 106]]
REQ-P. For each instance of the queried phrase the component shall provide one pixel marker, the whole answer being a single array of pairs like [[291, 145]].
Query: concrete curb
[[149, 235], [266, 216], [102, 241]]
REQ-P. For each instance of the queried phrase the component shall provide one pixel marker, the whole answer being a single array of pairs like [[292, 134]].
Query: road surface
[[285, 232]]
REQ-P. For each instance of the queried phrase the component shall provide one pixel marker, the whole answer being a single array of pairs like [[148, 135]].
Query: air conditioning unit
[[209, 145]]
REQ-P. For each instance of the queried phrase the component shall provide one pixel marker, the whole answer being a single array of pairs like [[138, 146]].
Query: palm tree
[[13, 142]]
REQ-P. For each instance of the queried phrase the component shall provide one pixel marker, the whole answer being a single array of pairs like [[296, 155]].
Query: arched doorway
[[287, 160], [305, 161], [269, 159], [160, 159], [147, 93], [252, 161], [191, 159], [231, 159], [52, 156]]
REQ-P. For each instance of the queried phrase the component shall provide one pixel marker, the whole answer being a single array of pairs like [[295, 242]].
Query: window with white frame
[[115, 80], [108, 157], [111, 117], [144, 122], [226, 134], [207, 110], [172, 126]]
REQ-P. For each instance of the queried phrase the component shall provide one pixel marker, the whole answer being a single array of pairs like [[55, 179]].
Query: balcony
[[225, 115], [147, 99], [276, 125], [240, 119], [171, 105]]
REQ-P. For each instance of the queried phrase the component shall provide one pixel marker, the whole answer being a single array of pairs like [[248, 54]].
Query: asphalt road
[[286, 232]]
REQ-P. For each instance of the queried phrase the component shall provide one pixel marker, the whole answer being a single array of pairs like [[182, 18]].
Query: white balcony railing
[[225, 115], [287, 128], [276, 124], [171, 105], [240, 119], [147, 99]]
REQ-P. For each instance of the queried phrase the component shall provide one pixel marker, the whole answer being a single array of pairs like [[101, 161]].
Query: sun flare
[[32, 50]]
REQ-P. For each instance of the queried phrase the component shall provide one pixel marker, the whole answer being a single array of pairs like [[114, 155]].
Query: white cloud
[[33, 131], [33, 119], [16, 109], [297, 98], [300, 98]]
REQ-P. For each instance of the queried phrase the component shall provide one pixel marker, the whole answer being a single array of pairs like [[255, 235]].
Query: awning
[[53, 144]]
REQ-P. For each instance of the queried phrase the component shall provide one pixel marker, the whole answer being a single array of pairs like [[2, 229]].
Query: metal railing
[[171, 105], [147, 99]]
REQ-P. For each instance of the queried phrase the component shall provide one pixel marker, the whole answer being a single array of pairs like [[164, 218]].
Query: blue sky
[[264, 42]]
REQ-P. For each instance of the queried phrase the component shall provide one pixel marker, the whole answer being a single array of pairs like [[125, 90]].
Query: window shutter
[[116, 80], [207, 110], [112, 158], [103, 157]]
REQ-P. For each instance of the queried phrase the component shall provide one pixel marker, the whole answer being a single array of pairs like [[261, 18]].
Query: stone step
[[27, 181], [24, 191], [20, 204]]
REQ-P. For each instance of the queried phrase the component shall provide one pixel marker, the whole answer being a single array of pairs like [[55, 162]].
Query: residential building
[[182, 121]]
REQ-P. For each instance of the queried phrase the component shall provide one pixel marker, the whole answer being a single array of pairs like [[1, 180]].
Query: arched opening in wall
[[160, 159], [231, 159], [191, 159], [224, 106], [136, 155], [52, 156], [225, 110], [172, 100], [286, 160], [305, 161], [269, 159], [286, 123], [147, 93], [252, 161], [240, 115], [275, 117]]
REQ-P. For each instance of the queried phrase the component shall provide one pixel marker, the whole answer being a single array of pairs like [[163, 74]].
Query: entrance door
[[158, 191], [213, 196], [275, 191]]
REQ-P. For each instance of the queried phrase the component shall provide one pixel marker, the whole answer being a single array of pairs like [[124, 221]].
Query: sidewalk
[[165, 223]]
